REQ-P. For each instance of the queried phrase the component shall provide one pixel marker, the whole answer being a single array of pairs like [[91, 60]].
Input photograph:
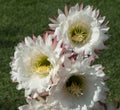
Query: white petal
[[61, 18], [60, 11], [29, 41], [74, 9]]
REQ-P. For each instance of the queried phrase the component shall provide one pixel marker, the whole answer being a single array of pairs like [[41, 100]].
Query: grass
[[21, 18]]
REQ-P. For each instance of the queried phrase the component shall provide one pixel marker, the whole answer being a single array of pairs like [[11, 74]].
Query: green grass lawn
[[21, 18]]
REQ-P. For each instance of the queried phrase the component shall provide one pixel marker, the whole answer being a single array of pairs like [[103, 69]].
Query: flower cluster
[[56, 71]]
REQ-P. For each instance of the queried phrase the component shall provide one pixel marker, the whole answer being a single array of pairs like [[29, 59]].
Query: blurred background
[[21, 18]]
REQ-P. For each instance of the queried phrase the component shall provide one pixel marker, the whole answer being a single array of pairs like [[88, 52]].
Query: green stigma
[[41, 66], [75, 85], [42, 61], [79, 34]]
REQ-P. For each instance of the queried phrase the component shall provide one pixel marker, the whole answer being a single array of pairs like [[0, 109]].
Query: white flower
[[80, 85], [83, 29], [35, 62]]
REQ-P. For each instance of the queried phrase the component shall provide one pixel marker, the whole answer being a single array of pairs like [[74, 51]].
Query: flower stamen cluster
[[79, 34], [75, 85], [41, 66]]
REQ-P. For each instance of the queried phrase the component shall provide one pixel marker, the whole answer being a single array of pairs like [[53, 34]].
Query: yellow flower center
[[75, 85], [41, 66], [79, 34]]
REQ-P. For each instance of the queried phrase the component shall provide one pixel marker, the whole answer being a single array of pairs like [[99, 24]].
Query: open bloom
[[81, 28], [80, 85], [35, 62]]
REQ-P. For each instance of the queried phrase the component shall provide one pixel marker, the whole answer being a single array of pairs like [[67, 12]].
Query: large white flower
[[81, 28], [80, 85], [35, 62]]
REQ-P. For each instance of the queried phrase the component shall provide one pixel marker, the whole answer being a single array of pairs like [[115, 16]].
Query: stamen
[[75, 85], [41, 66], [79, 34], [75, 89], [42, 70]]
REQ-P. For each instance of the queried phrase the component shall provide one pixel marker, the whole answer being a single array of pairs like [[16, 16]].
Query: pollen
[[42, 70], [79, 34], [41, 65]]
